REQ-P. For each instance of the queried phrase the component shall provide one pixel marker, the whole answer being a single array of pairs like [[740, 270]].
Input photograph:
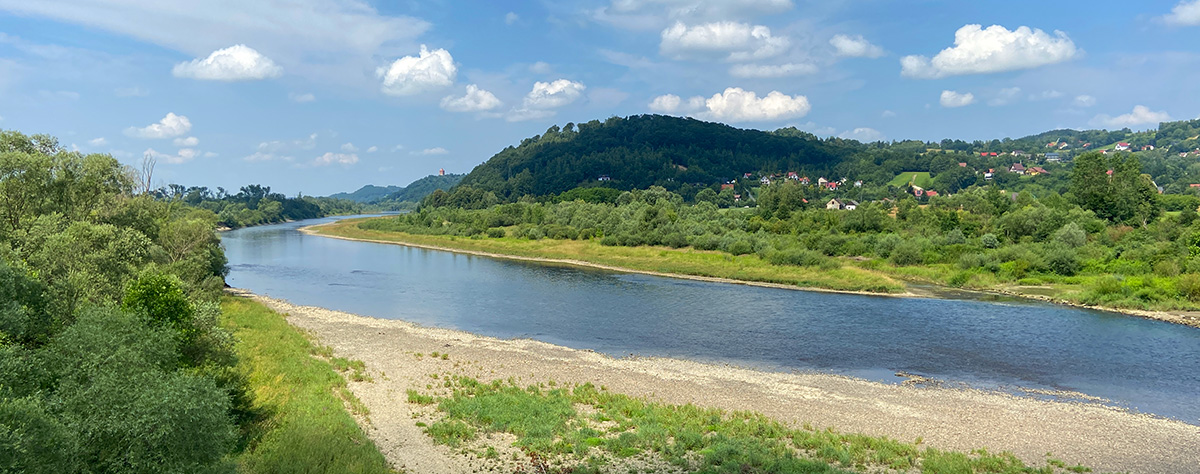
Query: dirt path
[[1094, 435]]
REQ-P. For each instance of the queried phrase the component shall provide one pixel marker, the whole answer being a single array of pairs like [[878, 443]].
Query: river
[[1015, 346]]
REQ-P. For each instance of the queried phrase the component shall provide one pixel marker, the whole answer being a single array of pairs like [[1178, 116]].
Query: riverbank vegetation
[[113, 357], [583, 428], [1106, 241], [256, 204]]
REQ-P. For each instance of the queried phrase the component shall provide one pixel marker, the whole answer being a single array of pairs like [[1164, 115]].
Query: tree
[[1127, 196]]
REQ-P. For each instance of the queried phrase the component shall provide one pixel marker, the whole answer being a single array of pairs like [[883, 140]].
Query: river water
[[1138, 364]]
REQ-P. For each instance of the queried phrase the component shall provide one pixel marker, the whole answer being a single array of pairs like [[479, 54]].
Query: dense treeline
[[1105, 235], [111, 359], [409, 196], [256, 204], [687, 156]]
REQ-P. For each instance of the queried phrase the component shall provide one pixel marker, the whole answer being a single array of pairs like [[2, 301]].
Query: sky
[[322, 96]]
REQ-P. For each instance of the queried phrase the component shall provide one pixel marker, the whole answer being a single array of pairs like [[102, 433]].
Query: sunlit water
[[1143, 365]]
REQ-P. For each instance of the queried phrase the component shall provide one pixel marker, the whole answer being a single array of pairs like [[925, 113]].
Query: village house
[[764, 180], [990, 173], [793, 176], [1053, 157], [1017, 168], [804, 180], [726, 186], [604, 177], [1121, 147], [918, 191], [822, 182], [1036, 170], [931, 193], [839, 204]]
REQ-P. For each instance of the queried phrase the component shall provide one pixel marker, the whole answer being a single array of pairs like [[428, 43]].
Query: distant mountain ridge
[[414, 192], [368, 194]]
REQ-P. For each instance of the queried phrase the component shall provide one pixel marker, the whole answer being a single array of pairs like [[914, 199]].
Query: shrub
[[33, 441], [1071, 235], [160, 297], [1188, 286], [496, 232], [989, 241], [1167, 268], [887, 244], [1062, 260], [740, 247], [908, 253], [955, 237], [796, 256]]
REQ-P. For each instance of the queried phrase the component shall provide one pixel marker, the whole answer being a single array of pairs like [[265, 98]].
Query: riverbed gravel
[[1102, 437]]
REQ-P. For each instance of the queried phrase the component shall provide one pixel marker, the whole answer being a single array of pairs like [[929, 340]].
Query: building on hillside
[[962, 165], [839, 204], [764, 180], [1036, 170], [991, 172], [918, 191], [604, 177], [1017, 168], [726, 186], [793, 176], [804, 180], [441, 171], [1123, 146], [822, 182], [1147, 147], [931, 193], [1053, 157]]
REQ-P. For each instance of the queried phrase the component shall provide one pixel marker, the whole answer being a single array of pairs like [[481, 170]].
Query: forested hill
[[417, 190], [368, 194], [645, 150]]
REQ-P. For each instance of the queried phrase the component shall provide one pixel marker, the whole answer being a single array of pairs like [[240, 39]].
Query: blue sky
[[321, 96]]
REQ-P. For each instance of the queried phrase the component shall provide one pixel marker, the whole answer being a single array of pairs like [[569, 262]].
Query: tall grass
[[307, 428]]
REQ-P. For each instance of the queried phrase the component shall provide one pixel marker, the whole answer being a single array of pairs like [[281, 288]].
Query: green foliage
[[160, 297], [34, 441]]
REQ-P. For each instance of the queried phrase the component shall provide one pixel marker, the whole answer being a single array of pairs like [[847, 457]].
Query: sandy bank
[[1186, 318], [1095, 435]]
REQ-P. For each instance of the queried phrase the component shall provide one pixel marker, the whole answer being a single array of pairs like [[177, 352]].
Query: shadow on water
[[960, 339]]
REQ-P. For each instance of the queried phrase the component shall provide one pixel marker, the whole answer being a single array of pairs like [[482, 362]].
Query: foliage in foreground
[[548, 424], [307, 428]]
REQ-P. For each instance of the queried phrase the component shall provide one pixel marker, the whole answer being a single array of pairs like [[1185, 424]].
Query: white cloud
[[476, 100], [771, 71], [266, 156], [1005, 96], [186, 142], [855, 47], [541, 67], [887, 114], [372, 149], [432, 151], [98, 141], [735, 41], [1084, 101], [331, 158], [1141, 115], [131, 92], [169, 127], [349, 147], [398, 148], [184, 155], [301, 98], [511, 18], [541, 101], [652, 14], [952, 99], [1186, 13], [863, 134], [235, 63], [326, 40], [738, 105], [430, 70], [673, 104], [996, 49]]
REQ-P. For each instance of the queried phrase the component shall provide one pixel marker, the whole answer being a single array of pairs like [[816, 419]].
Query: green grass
[[685, 261], [919, 178], [550, 424], [307, 428]]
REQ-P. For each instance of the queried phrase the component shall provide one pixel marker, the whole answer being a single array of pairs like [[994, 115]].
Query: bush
[[1188, 286], [707, 241], [160, 297], [740, 247], [1062, 260], [33, 441], [496, 233], [908, 253], [796, 256], [887, 244], [1071, 235], [1167, 268], [989, 241]]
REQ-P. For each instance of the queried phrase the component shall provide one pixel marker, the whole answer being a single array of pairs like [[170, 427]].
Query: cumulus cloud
[[855, 47], [511, 17], [267, 156], [887, 114], [476, 100], [863, 134], [331, 158], [1046, 95], [756, 71], [184, 155], [372, 149], [187, 142], [169, 127], [235, 63], [429, 70], [952, 99], [1005, 96], [98, 141], [301, 98], [673, 104], [996, 49], [349, 147], [541, 101], [652, 14], [432, 151], [1186, 13], [541, 67], [1084, 101], [738, 105], [1141, 115], [735, 41]]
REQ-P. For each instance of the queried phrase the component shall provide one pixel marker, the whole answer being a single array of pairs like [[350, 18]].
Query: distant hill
[[645, 150], [417, 190], [368, 194]]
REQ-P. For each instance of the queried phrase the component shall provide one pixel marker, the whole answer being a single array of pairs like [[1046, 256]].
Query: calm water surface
[[1144, 365]]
